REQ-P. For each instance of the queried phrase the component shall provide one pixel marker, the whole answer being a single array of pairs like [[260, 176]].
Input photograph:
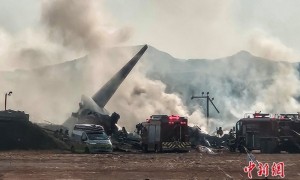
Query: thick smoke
[[268, 47], [281, 95], [29, 49], [71, 29], [66, 32], [79, 25], [140, 97], [241, 84], [135, 100], [75, 28]]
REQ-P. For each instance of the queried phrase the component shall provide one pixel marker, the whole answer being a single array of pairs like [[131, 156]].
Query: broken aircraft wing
[[106, 92]]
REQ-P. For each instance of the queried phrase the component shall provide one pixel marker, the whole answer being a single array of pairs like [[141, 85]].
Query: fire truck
[[267, 133], [165, 133]]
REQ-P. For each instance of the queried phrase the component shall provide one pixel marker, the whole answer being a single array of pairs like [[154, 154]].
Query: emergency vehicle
[[165, 133], [267, 133]]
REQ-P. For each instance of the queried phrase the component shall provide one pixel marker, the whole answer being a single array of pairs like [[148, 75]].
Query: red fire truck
[[165, 133]]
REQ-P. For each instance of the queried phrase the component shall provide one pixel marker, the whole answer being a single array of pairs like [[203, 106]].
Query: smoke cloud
[[71, 29], [139, 98], [280, 95], [78, 25], [268, 47], [68, 29]]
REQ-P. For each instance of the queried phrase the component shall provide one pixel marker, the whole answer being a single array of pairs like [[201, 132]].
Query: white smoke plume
[[79, 25], [29, 49], [262, 45], [136, 99], [140, 98], [279, 97], [241, 83], [72, 29]]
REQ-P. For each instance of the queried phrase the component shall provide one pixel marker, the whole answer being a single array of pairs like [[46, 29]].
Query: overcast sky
[[190, 28]]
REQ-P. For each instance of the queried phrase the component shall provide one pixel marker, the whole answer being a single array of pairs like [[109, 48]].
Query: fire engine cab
[[165, 133]]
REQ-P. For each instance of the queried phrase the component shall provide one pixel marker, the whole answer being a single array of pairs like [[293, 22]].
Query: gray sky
[[191, 28]]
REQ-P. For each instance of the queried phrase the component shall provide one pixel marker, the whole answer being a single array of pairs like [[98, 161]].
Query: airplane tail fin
[[106, 92]]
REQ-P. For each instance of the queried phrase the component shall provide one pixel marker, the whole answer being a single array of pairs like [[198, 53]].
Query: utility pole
[[208, 99], [5, 101]]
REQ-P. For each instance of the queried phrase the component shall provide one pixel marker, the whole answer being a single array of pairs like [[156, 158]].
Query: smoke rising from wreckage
[[164, 89], [92, 111], [246, 88], [239, 92], [48, 88]]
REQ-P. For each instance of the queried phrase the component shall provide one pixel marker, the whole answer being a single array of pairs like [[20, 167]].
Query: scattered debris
[[204, 149], [251, 157]]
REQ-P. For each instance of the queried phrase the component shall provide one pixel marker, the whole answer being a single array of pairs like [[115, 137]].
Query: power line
[[208, 99]]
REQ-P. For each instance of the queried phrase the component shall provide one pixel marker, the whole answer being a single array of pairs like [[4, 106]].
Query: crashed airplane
[[92, 111]]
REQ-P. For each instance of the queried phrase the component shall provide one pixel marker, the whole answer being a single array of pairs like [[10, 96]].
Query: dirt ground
[[193, 165]]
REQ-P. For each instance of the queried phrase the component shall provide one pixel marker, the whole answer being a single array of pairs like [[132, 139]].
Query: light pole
[[6, 94], [208, 99]]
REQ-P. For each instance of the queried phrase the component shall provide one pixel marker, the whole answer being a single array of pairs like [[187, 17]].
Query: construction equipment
[[267, 133], [165, 133]]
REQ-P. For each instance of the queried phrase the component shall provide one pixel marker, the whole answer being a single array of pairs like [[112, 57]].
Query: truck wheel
[[87, 150]]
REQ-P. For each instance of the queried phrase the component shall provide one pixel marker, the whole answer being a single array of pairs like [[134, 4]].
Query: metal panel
[[151, 134], [157, 133]]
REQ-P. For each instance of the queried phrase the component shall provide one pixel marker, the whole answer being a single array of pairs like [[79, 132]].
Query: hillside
[[239, 83]]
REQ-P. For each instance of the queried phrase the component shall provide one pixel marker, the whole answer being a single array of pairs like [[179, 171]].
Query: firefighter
[[231, 134], [220, 132], [124, 132], [231, 141], [139, 128]]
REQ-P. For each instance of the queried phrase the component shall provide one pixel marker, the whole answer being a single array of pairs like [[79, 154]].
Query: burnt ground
[[193, 165]]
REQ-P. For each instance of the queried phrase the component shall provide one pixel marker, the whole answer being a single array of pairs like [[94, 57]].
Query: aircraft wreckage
[[92, 111]]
